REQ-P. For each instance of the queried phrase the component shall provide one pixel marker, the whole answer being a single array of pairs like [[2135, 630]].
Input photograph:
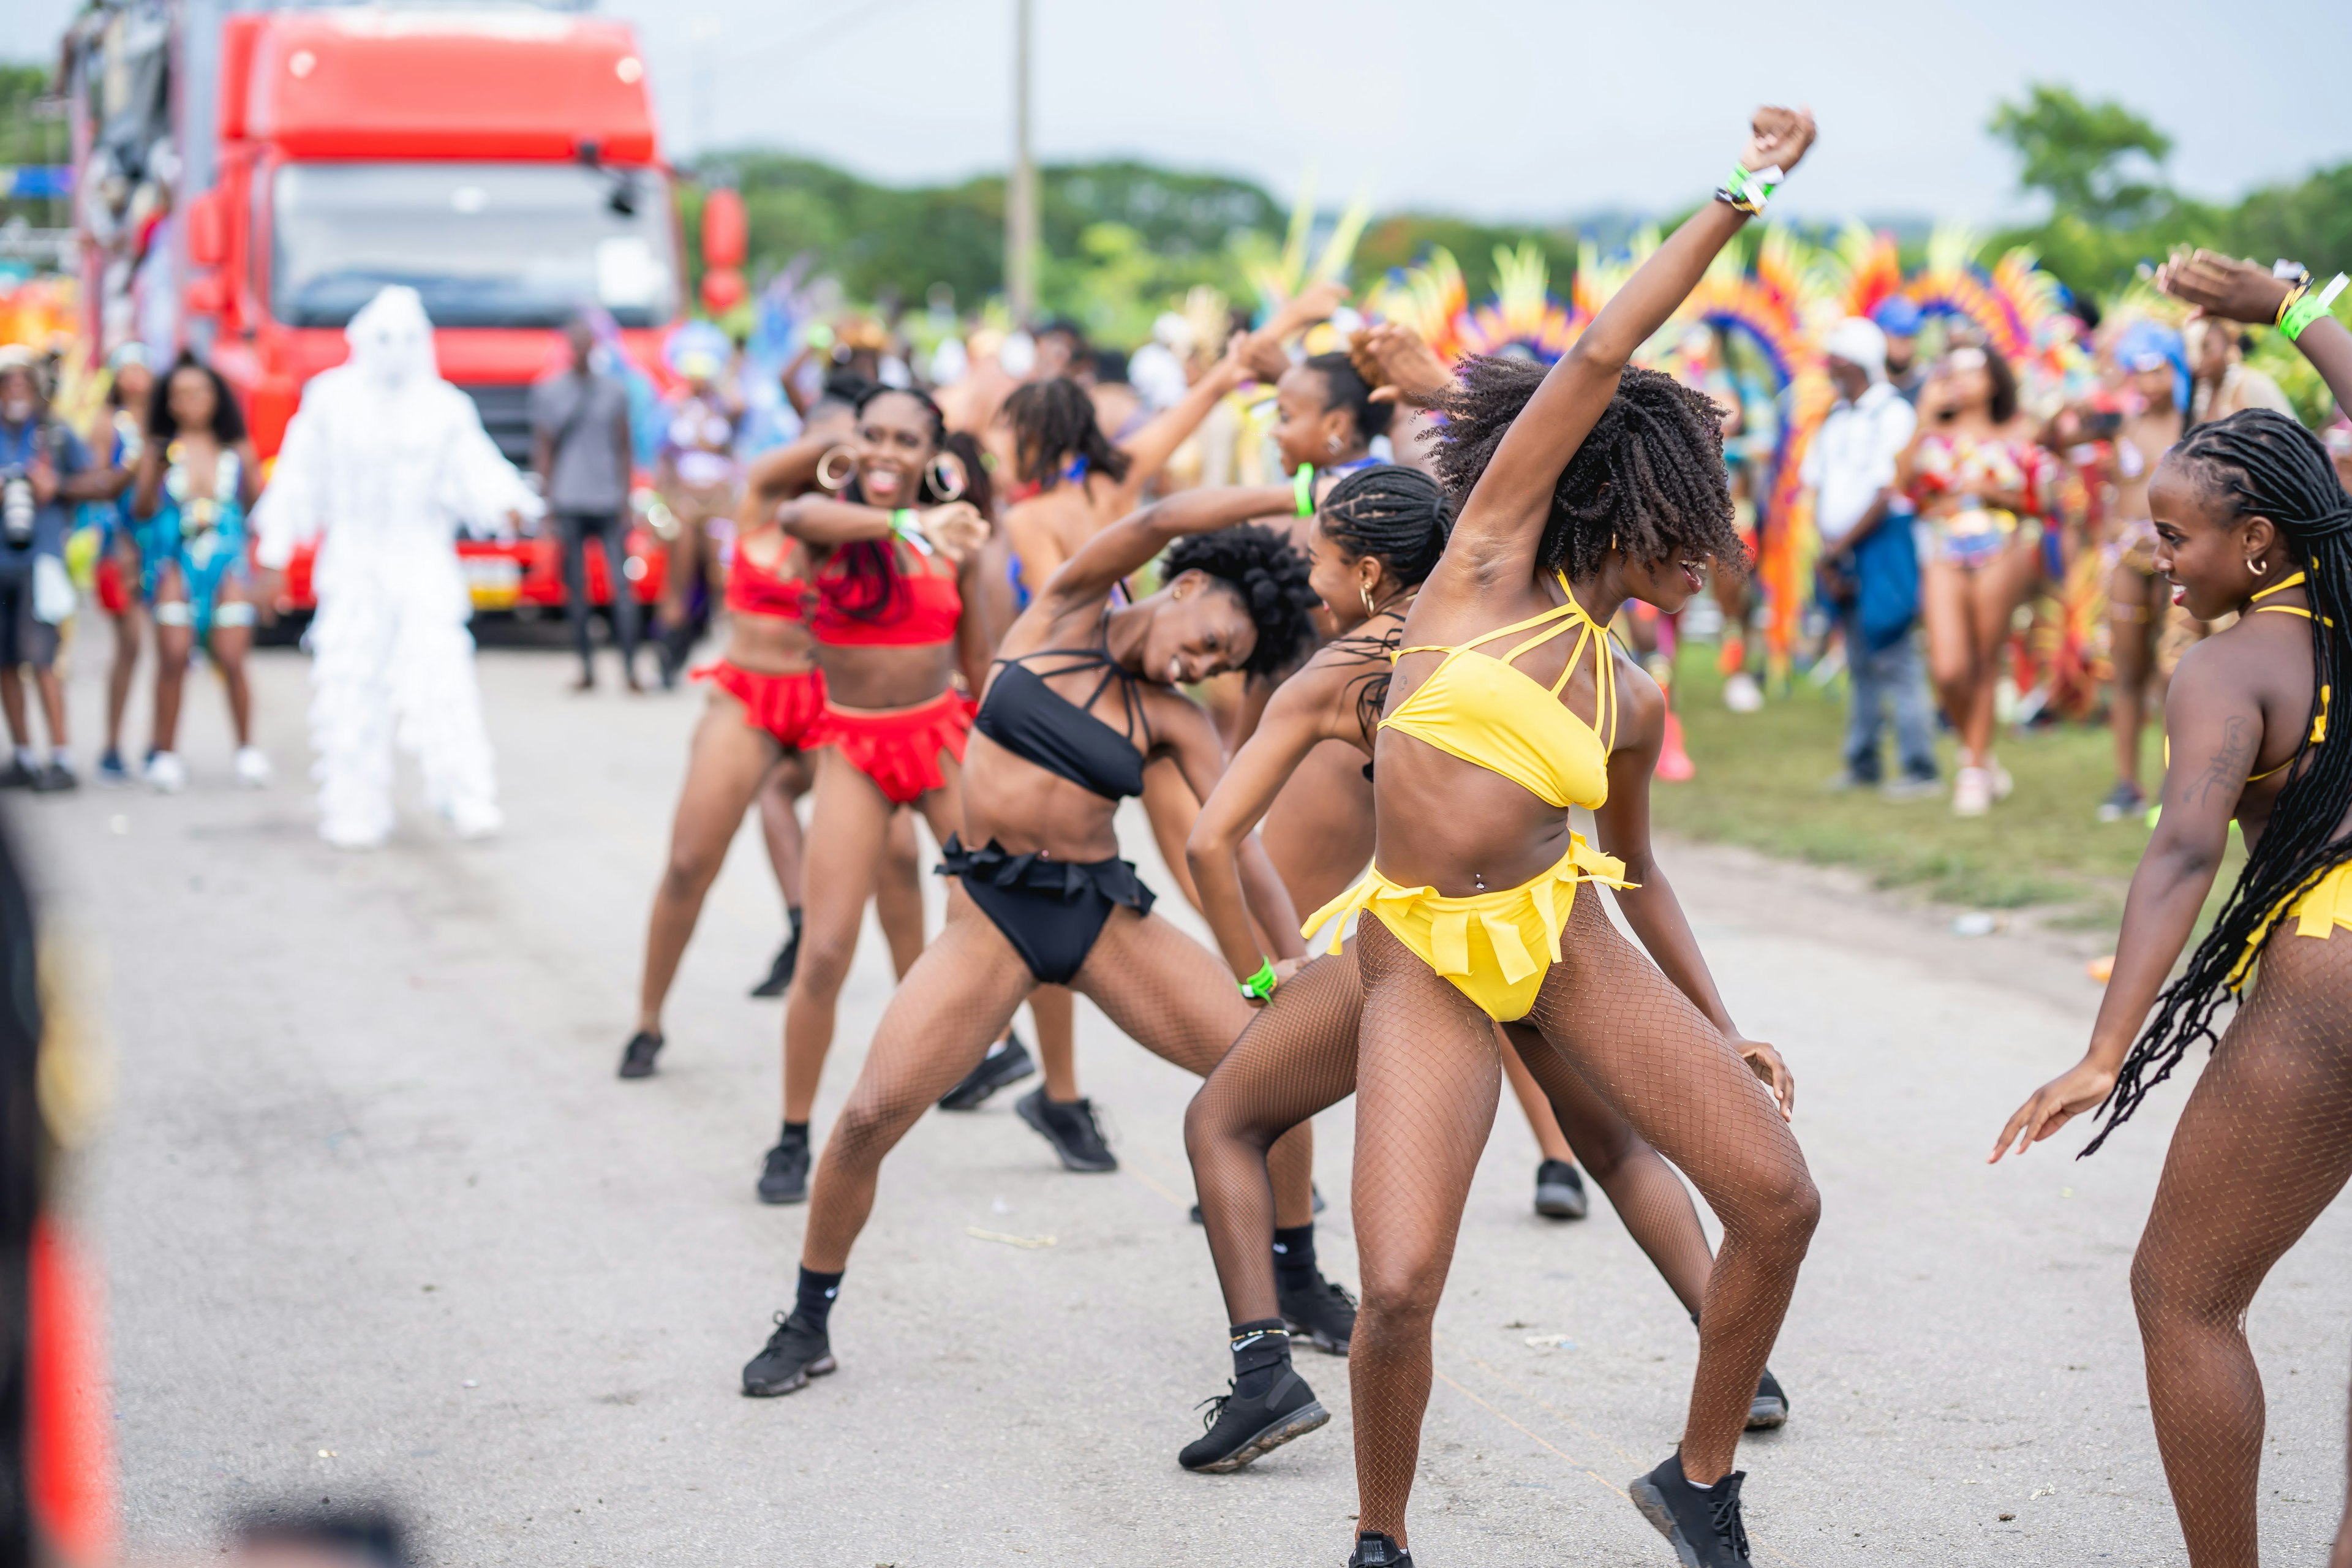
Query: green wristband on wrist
[[1749, 189], [907, 525], [2314, 304], [1302, 487], [1259, 987]]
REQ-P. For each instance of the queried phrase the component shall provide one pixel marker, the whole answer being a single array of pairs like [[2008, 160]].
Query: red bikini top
[[756, 590], [924, 610]]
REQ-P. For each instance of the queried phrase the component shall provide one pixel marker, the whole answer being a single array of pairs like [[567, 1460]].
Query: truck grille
[[506, 415]]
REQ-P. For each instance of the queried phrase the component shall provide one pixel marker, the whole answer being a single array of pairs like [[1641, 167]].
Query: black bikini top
[[1038, 725]]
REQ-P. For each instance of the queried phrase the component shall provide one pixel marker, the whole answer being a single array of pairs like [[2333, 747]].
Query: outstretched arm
[[1622, 824], [955, 530], [2243, 292], [2216, 728], [775, 475], [1134, 541], [1501, 523]]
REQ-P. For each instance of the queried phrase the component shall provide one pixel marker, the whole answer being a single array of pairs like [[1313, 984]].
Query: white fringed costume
[[388, 459]]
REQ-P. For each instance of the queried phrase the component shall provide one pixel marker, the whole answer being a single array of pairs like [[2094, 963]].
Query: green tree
[[2310, 222], [2102, 167], [30, 134]]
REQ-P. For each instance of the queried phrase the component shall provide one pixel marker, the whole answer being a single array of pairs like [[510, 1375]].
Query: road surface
[[379, 1221]]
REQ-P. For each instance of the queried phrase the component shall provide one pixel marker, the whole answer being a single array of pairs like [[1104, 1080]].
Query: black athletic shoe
[[55, 777], [1070, 1129], [1008, 1066], [1771, 1406], [1376, 1550], [16, 775], [1702, 1523], [793, 1355], [780, 973], [1323, 1312], [1559, 1191], [1240, 1430], [784, 1178], [637, 1056]]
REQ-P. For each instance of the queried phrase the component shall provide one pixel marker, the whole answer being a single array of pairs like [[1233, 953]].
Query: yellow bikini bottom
[[1496, 947], [2318, 910]]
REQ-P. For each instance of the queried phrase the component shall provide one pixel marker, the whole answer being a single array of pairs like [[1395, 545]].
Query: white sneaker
[[1741, 694], [252, 768], [2003, 787], [166, 774], [345, 836], [477, 821], [1973, 793]]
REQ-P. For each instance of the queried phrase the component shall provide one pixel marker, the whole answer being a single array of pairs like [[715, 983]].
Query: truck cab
[[502, 162]]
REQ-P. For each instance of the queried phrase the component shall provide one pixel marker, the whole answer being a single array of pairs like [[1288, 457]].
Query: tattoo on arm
[[2230, 765]]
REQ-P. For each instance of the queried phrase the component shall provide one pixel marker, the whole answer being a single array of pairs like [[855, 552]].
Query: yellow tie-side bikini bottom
[[2318, 910], [1496, 947]]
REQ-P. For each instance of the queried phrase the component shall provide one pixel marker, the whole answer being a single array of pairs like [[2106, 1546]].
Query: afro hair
[[1270, 578]]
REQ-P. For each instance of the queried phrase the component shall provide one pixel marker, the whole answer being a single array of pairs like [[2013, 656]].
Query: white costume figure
[[388, 459]]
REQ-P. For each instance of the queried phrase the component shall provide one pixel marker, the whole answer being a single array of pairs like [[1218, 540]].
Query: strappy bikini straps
[[1554, 621], [1074, 659]]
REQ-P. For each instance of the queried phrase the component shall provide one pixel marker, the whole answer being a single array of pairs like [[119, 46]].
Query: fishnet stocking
[[1649, 1052], [2264, 1146], [1298, 1056]]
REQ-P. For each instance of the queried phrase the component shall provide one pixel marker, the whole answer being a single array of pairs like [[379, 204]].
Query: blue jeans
[[1892, 675]]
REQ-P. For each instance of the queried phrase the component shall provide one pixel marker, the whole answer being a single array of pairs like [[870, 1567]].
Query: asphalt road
[[378, 1220]]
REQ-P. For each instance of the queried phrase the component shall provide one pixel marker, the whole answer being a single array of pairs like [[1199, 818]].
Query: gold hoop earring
[[948, 480], [1365, 589], [826, 478], [2258, 568]]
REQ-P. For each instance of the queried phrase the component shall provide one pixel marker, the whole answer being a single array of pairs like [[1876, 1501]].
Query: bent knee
[[1781, 1210], [1403, 1292], [823, 963]]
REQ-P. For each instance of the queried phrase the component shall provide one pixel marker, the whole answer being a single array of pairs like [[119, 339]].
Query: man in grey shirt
[[580, 445]]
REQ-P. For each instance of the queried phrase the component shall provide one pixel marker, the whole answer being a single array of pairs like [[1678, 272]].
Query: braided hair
[[1648, 479], [1053, 421], [1344, 386], [1267, 575], [2262, 462], [868, 586], [1398, 516]]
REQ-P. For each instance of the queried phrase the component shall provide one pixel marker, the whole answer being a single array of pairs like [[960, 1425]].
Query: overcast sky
[[1501, 108]]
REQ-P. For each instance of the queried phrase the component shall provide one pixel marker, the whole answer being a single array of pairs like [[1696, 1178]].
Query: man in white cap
[[389, 459], [1870, 566]]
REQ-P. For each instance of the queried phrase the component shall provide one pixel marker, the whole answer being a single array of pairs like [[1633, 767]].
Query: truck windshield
[[488, 245]]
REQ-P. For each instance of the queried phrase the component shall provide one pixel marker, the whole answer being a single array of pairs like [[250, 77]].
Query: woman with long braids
[[894, 560], [1083, 695], [1069, 482], [1581, 486], [1378, 534], [2251, 518], [197, 480], [766, 696]]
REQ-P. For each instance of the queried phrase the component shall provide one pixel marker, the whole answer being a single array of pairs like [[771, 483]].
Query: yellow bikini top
[[2318, 725], [1486, 712]]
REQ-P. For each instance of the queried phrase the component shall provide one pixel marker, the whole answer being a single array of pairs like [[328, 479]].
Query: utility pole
[[1020, 190]]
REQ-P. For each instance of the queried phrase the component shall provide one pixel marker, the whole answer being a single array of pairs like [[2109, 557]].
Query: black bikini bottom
[[1050, 911]]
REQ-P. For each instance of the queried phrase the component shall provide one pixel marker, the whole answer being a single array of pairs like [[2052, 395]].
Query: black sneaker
[[2124, 804], [55, 777], [1240, 1430], [1376, 1550], [1322, 1312], [780, 973], [1559, 1191], [1702, 1523], [637, 1056], [1008, 1066], [793, 1355], [784, 1178], [16, 775], [1070, 1129], [1771, 1406]]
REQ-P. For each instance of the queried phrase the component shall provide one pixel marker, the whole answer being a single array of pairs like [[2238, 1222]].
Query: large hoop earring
[[826, 478], [1364, 590], [1333, 443], [2258, 568], [948, 480]]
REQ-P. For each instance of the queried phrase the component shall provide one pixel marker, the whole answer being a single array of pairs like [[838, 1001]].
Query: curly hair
[[1269, 576], [1052, 422], [2261, 462], [1649, 479], [228, 419]]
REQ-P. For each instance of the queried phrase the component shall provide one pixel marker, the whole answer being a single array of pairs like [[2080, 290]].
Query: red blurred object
[[113, 596], [207, 230], [69, 1457], [722, 290], [206, 295], [725, 231]]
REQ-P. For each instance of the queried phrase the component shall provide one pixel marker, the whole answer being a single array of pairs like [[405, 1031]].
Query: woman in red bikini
[[890, 585]]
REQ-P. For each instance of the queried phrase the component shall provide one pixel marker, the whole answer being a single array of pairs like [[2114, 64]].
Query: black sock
[[816, 1304], [1261, 1350], [1294, 1257], [795, 912], [795, 1132]]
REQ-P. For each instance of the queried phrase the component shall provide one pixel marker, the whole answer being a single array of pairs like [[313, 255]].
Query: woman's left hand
[[956, 529], [1765, 1062]]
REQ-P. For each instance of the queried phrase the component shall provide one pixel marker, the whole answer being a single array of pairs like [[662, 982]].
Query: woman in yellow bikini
[[1582, 487], [2251, 518]]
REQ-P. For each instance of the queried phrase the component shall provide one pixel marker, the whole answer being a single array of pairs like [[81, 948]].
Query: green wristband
[[1259, 987], [1302, 486], [2314, 304], [1749, 189]]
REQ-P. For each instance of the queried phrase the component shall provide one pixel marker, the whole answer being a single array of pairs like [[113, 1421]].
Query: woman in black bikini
[[1081, 697]]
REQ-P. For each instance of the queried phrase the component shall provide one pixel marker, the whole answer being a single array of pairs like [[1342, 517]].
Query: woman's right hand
[[2081, 1088], [2224, 286], [1402, 367], [1778, 137]]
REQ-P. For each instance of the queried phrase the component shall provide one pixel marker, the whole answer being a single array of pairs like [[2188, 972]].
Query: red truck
[[502, 162]]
